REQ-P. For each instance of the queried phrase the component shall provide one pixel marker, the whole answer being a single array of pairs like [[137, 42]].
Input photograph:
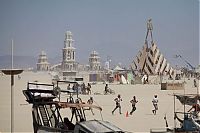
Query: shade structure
[[12, 71]]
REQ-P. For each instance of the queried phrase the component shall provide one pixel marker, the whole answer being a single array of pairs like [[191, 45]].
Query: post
[[12, 103], [184, 100], [12, 54], [174, 113], [12, 93]]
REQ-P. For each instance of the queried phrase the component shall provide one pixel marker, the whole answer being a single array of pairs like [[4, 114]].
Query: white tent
[[117, 68], [123, 80]]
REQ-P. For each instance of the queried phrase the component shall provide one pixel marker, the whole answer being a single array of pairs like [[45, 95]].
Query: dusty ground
[[142, 119]]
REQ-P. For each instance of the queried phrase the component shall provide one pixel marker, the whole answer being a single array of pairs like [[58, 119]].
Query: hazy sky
[[114, 28]]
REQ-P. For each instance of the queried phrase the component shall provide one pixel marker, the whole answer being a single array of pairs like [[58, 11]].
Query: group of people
[[133, 101], [82, 88], [87, 90], [118, 105], [133, 104]]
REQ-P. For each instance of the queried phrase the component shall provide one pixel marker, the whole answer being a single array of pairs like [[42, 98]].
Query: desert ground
[[142, 120]]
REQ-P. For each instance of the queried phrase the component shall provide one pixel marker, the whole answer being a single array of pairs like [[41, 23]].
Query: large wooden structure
[[150, 60]]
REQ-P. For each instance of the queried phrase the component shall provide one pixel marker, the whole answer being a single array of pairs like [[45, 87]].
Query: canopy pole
[[174, 114]]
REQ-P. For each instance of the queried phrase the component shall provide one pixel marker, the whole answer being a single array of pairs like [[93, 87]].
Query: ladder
[[44, 115]]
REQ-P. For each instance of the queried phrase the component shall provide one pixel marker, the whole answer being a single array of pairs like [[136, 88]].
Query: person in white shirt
[[155, 104]]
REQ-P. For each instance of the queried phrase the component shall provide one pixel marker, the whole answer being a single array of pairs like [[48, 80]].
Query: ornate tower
[[68, 62], [42, 64], [94, 61]]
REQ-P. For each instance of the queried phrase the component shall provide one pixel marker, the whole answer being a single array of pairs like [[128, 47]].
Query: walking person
[[83, 88], [89, 89], [155, 104], [133, 102], [106, 89], [117, 101]]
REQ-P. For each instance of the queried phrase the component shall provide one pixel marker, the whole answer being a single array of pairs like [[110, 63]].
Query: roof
[[117, 68], [99, 126]]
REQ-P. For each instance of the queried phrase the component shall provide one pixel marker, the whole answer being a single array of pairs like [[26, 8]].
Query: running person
[[133, 102], [155, 104], [117, 101]]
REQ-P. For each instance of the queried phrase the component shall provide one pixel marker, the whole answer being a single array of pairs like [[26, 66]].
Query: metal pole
[[184, 98], [12, 103], [12, 54], [197, 84], [174, 114], [12, 94]]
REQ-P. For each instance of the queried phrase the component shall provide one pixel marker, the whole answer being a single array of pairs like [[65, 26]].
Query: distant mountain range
[[24, 61]]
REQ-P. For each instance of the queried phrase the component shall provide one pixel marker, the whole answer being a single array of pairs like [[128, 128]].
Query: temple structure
[[68, 65], [94, 61], [150, 60], [42, 64], [68, 62]]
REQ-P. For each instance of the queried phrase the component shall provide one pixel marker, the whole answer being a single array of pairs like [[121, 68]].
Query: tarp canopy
[[189, 99], [117, 68]]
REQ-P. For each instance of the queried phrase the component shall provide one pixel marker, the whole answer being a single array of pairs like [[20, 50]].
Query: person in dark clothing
[[69, 124], [133, 102], [195, 83], [89, 88], [117, 101], [106, 89]]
